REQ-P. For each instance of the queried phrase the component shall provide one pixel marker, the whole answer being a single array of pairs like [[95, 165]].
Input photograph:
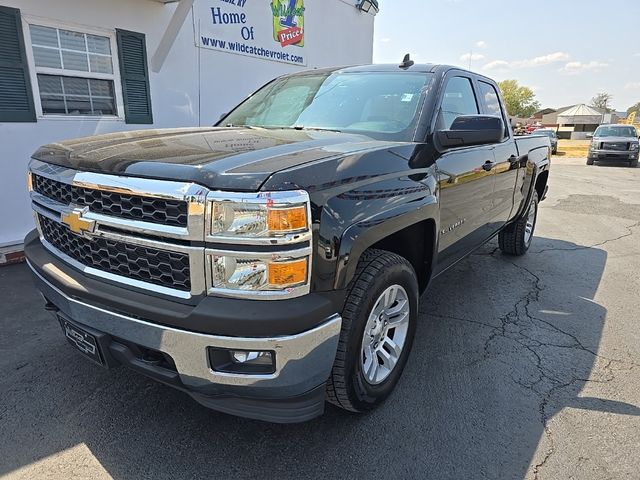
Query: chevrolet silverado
[[274, 261]]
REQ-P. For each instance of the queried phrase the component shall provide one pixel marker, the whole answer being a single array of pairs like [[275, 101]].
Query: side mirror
[[468, 130], [589, 136]]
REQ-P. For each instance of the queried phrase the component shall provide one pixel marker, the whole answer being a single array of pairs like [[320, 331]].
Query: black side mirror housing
[[469, 130]]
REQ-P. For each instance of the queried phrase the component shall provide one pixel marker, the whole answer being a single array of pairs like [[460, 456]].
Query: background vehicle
[[614, 142], [553, 138], [276, 260]]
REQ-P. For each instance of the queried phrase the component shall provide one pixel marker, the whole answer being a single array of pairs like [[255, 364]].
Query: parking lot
[[522, 368]]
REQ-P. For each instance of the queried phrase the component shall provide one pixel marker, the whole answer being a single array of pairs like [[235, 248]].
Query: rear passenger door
[[505, 153], [466, 189]]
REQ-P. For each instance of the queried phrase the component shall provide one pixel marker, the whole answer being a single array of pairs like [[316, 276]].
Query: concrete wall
[[193, 87]]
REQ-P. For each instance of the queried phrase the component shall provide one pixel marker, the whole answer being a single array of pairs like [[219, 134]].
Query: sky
[[567, 51]]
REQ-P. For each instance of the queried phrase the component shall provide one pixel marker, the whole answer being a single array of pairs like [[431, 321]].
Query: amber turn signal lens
[[288, 273], [287, 219], [29, 181]]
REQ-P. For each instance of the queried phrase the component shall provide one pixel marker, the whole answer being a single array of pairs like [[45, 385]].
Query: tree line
[[521, 102]]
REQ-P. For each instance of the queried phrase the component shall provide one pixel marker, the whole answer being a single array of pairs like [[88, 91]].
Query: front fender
[[362, 235]]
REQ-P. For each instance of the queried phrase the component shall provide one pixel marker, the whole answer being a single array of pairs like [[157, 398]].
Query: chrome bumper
[[620, 154], [303, 361]]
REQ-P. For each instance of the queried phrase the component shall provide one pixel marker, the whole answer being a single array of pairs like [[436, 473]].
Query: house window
[[74, 72]]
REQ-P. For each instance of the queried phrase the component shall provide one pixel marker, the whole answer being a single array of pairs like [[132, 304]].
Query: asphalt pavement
[[522, 368]]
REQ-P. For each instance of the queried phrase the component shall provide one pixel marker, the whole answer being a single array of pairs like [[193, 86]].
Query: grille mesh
[[159, 267], [133, 207]]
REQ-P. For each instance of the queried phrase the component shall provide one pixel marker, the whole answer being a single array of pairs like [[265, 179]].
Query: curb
[[11, 255]]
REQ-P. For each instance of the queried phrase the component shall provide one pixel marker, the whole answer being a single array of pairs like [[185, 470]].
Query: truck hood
[[238, 159]]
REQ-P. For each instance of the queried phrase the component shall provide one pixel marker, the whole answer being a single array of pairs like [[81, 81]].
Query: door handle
[[488, 165]]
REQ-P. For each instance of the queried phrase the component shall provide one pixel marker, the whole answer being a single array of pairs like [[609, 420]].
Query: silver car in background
[[553, 138], [614, 142]]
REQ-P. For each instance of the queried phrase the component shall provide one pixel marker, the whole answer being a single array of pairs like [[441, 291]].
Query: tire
[[354, 384], [633, 163], [589, 161], [516, 238]]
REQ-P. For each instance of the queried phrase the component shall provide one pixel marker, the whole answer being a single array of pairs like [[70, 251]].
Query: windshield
[[615, 132], [383, 105]]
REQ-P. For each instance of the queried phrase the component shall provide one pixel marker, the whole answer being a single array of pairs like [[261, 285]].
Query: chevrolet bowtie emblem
[[76, 223]]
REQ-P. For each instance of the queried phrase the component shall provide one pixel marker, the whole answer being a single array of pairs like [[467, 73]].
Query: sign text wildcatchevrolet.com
[[272, 30]]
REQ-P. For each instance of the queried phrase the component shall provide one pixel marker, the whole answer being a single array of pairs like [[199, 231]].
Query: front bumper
[[293, 393], [621, 155]]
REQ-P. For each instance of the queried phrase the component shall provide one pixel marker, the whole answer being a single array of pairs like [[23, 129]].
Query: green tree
[[519, 100], [634, 108], [603, 101]]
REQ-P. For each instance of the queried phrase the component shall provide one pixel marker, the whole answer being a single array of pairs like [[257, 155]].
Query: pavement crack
[[530, 334], [460, 319], [599, 244], [522, 312]]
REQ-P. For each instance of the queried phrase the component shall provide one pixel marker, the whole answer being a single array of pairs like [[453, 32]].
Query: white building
[[578, 121], [73, 68]]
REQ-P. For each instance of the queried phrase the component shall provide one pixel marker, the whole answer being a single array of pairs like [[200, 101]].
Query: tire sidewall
[[363, 394]]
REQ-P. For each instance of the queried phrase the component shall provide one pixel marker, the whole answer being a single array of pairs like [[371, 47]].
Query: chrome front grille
[[157, 235], [158, 267], [133, 207], [143, 233]]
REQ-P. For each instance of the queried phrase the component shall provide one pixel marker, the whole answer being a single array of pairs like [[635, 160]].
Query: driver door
[[465, 178]]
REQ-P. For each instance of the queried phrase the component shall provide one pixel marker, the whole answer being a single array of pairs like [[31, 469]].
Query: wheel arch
[[409, 232], [541, 183]]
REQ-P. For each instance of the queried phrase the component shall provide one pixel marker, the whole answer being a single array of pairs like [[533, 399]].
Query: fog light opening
[[242, 362]]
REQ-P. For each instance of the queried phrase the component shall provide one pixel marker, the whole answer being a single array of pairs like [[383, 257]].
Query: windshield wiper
[[302, 127], [294, 127], [233, 125]]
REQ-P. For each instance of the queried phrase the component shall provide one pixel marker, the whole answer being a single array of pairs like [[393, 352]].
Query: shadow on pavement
[[503, 345]]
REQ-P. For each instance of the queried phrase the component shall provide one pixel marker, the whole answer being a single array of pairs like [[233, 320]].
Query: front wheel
[[515, 239], [589, 161], [378, 326], [633, 163]]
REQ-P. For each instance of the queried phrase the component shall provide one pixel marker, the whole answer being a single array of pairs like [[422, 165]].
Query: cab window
[[492, 103], [458, 99]]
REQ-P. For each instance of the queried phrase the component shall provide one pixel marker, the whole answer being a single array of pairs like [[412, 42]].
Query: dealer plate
[[82, 340]]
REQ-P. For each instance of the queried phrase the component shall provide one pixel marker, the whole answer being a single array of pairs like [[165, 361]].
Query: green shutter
[[134, 73], [16, 96]]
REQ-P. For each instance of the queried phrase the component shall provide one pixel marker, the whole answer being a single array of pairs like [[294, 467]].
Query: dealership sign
[[268, 29]]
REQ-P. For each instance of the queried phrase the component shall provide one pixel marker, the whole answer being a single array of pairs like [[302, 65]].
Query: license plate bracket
[[82, 340]]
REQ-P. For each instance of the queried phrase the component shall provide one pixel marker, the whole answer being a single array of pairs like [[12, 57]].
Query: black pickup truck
[[274, 261]]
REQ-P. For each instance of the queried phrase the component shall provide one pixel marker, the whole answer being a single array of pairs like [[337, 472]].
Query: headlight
[[634, 146], [274, 230], [268, 218], [259, 275]]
